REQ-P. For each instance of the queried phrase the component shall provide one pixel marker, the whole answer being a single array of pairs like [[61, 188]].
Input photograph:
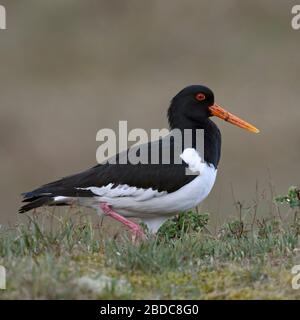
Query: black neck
[[212, 135]]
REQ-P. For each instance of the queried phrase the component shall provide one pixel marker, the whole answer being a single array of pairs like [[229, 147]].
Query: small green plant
[[268, 229], [236, 228], [185, 222], [292, 198]]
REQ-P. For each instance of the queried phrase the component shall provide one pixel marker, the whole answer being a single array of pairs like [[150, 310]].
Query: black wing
[[162, 177]]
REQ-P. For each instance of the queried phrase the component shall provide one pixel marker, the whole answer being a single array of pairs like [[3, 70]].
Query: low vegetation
[[249, 257]]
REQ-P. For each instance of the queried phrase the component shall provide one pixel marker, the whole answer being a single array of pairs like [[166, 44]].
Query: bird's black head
[[191, 105], [191, 108]]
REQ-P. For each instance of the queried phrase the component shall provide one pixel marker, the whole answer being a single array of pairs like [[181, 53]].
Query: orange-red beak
[[219, 112]]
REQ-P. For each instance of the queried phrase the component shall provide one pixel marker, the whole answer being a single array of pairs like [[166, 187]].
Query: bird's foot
[[136, 230]]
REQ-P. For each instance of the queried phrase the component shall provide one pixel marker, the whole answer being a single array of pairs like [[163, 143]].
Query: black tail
[[65, 187], [35, 202], [43, 196]]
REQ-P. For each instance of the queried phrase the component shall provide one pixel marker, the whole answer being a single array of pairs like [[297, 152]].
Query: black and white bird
[[152, 192]]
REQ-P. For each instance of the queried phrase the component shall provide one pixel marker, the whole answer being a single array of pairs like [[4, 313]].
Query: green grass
[[73, 259]]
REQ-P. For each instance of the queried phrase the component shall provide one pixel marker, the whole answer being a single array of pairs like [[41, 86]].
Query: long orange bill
[[219, 112]]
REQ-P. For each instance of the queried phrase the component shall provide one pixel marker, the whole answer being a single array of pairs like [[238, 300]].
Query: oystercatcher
[[152, 192]]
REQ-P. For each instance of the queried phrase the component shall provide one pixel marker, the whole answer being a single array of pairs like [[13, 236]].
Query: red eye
[[200, 96]]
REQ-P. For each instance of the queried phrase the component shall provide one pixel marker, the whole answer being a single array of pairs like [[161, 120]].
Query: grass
[[71, 258]]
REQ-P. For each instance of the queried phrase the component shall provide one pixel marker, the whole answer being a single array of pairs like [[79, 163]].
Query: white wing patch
[[191, 157], [61, 199], [123, 190]]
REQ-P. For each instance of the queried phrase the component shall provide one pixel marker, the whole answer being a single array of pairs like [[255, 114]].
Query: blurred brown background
[[69, 68]]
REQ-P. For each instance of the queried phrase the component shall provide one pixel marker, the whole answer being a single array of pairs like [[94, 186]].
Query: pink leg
[[133, 227]]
